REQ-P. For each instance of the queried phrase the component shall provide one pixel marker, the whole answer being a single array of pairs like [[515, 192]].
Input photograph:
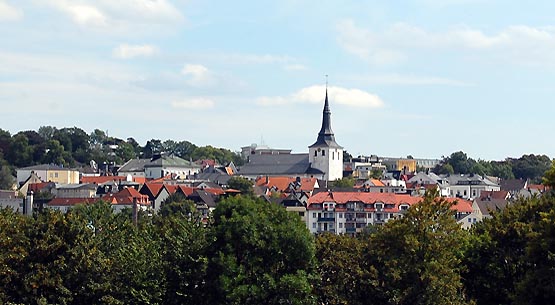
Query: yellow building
[[49, 173], [408, 164]]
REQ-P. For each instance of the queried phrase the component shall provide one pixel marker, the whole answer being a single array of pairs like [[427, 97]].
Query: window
[[55, 175], [315, 153], [332, 155], [314, 225], [301, 214], [341, 225], [313, 215], [464, 193], [469, 220], [340, 215], [323, 153]]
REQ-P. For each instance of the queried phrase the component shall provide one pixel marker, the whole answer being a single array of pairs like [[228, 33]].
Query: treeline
[[74, 147], [253, 252], [530, 166]]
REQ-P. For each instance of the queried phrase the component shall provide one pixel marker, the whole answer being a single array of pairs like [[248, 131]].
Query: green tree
[[183, 247], [259, 254], [341, 270], [416, 259], [20, 154], [6, 177], [242, 184], [345, 182], [530, 167], [509, 254], [549, 176]]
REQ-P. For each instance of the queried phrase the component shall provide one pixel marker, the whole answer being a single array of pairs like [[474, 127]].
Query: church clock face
[[319, 149]]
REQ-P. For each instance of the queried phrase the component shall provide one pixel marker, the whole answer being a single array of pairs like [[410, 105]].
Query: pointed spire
[[326, 136]]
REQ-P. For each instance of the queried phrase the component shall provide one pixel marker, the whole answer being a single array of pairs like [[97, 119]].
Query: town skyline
[[412, 78]]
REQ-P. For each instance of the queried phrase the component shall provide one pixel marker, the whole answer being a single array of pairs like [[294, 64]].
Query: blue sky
[[418, 77]]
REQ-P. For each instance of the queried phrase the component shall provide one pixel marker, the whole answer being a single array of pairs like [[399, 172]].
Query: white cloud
[[117, 15], [193, 103], [393, 45], [198, 75], [125, 51], [9, 12], [316, 93]]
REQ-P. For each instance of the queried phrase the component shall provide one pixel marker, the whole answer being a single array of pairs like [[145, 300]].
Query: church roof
[[290, 164], [326, 138]]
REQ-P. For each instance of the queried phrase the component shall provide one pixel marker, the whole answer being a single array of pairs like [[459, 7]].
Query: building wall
[[23, 175], [62, 176], [328, 160], [159, 172], [409, 164]]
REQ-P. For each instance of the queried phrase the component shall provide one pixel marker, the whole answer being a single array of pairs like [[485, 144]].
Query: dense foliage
[[530, 166], [74, 147], [92, 256], [253, 252]]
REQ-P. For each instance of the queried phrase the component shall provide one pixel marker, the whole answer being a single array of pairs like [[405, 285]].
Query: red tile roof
[[71, 201], [494, 195], [127, 196], [461, 205], [37, 187], [281, 183], [153, 188]]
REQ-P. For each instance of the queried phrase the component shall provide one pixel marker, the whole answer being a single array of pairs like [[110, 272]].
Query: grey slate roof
[[513, 184], [326, 138], [465, 179], [171, 161], [286, 165], [43, 167], [493, 205], [134, 165]]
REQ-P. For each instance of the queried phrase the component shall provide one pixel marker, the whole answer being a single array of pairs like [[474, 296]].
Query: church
[[323, 161]]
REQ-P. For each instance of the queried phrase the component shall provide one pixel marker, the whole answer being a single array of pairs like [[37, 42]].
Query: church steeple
[[326, 138]]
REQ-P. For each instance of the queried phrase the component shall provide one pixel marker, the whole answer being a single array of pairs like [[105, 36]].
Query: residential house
[[470, 186], [65, 204], [9, 199], [162, 165], [126, 198], [49, 172], [85, 190]]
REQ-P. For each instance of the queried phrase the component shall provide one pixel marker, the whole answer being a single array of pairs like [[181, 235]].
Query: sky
[[416, 77]]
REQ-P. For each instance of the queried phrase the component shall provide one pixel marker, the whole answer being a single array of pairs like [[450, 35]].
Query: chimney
[[28, 204]]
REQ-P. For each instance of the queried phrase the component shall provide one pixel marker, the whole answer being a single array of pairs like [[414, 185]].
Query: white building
[[325, 154]]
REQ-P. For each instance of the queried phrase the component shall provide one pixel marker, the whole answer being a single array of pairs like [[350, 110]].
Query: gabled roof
[[134, 165], [460, 205], [102, 179], [151, 189], [485, 195], [44, 167], [71, 201], [127, 196], [513, 184], [276, 165], [281, 183], [171, 161], [38, 187], [487, 206]]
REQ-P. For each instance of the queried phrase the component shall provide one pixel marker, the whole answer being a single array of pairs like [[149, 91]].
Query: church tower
[[325, 154]]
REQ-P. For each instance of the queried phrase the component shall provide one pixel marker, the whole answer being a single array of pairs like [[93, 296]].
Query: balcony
[[326, 219], [350, 230], [361, 220]]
